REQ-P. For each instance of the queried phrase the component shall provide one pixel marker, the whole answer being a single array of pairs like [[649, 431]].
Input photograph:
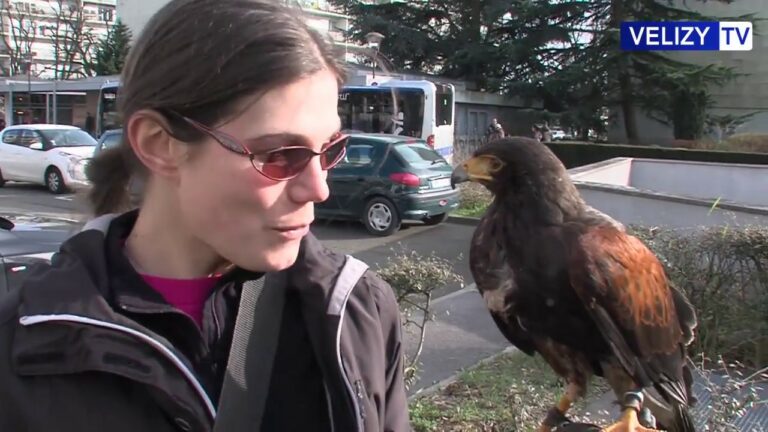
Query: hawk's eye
[[495, 164]]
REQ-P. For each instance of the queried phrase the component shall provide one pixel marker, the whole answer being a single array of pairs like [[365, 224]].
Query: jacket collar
[[68, 301]]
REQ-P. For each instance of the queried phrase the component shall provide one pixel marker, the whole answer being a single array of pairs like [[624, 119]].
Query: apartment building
[[319, 14], [32, 26]]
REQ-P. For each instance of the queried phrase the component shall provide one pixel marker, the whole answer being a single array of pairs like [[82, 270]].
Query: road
[[18, 198], [448, 241]]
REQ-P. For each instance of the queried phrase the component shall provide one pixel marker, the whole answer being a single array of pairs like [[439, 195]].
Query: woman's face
[[246, 218]]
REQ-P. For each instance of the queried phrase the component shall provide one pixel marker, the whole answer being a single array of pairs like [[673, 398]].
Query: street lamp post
[[374, 42], [28, 62]]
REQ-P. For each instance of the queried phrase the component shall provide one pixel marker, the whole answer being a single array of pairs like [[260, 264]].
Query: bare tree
[[73, 41], [18, 33]]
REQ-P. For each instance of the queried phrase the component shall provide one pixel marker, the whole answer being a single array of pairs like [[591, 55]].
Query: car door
[[353, 176], [32, 161], [3, 277], [10, 153], [37, 162]]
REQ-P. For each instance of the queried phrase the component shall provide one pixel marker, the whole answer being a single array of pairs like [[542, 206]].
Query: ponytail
[[109, 173]]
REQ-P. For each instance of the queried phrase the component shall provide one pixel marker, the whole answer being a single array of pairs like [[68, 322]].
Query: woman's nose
[[310, 185]]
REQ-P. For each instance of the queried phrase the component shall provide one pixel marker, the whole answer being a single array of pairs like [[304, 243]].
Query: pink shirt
[[187, 295]]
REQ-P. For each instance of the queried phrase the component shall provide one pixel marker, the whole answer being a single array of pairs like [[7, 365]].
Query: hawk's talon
[[555, 418], [629, 423]]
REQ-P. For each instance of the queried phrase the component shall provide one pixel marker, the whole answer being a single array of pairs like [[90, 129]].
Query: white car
[[51, 155], [559, 134]]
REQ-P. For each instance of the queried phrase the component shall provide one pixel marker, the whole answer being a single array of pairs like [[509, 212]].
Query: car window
[[359, 154], [29, 137], [419, 154], [68, 137], [111, 140], [11, 136]]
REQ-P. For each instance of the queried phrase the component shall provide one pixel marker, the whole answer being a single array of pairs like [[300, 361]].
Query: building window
[[106, 14]]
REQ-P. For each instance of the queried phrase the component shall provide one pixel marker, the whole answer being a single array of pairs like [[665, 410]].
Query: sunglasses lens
[[333, 154], [287, 163]]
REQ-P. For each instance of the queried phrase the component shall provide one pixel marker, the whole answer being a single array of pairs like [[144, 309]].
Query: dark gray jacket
[[72, 361]]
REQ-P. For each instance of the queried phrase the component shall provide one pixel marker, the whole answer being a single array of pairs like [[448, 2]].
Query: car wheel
[[2, 180], [380, 217], [436, 219], [54, 181]]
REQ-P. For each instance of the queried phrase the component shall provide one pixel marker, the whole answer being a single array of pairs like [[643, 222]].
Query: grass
[[473, 200], [510, 393], [475, 211]]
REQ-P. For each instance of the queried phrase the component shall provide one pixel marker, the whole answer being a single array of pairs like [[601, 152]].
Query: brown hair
[[199, 58]]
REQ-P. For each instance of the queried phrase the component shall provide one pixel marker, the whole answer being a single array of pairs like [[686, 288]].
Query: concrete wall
[[745, 94], [675, 194], [748, 92], [742, 184], [633, 207], [615, 171]]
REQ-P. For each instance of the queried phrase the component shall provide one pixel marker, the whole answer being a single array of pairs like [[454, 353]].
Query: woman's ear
[[147, 133]]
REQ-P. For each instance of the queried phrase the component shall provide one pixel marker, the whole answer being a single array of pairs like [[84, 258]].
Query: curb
[[472, 287], [35, 215], [440, 385], [463, 220]]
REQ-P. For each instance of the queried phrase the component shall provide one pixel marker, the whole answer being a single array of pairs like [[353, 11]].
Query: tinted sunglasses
[[282, 163]]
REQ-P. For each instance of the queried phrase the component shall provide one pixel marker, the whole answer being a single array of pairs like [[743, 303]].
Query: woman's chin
[[279, 258]]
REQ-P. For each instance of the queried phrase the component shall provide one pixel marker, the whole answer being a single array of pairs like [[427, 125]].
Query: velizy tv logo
[[686, 36]]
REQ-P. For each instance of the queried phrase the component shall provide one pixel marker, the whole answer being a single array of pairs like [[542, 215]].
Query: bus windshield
[[398, 111], [109, 116]]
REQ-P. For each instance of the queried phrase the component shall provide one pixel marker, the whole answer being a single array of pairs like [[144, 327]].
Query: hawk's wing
[[624, 288]]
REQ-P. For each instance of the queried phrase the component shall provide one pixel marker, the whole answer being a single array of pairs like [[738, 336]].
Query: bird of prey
[[566, 281]]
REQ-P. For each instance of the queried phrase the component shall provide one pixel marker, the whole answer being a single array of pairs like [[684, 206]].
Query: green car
[[385, 179]]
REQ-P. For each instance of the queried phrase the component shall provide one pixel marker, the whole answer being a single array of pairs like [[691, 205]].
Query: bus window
[[376, 110], [443, 105]]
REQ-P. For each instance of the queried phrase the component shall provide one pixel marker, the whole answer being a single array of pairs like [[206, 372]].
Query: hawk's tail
[[682, 419]]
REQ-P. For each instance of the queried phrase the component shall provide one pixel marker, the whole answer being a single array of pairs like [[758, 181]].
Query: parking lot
[[448, 240]]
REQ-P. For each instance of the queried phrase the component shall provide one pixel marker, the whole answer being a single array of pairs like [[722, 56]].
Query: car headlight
[[76, 166], [73, 159]]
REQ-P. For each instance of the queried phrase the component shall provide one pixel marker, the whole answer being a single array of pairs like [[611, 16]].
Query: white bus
[[107, 115], [421, 109]]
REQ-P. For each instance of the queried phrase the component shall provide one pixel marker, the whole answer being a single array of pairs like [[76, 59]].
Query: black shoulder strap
[[254, 344]]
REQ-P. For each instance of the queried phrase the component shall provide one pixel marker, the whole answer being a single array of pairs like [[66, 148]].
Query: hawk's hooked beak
[[459, 175], [473, 169]]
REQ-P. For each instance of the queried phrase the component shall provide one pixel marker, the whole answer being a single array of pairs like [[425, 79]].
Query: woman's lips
[[292, 232]]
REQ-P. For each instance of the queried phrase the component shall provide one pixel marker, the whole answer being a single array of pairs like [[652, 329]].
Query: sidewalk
[[461, 335]]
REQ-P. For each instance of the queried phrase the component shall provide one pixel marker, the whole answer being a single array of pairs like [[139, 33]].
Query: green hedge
[[575, 154]]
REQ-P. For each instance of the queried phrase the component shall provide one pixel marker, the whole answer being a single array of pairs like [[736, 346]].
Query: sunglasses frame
[[236, 146]]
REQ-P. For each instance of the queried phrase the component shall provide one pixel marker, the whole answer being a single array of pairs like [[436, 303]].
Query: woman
[[230, 126]]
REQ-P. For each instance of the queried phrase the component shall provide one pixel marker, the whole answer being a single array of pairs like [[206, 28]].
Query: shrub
[[473, 199], [748, 142], [414, 278], [700, 144], [732, 393], [724, 272]]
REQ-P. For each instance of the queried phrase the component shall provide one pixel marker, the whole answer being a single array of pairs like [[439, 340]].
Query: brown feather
[[629, 282]]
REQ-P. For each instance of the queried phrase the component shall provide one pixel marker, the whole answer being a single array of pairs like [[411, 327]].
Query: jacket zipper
[[165, 351], [340, 361], [330, 406], [360, 388]]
